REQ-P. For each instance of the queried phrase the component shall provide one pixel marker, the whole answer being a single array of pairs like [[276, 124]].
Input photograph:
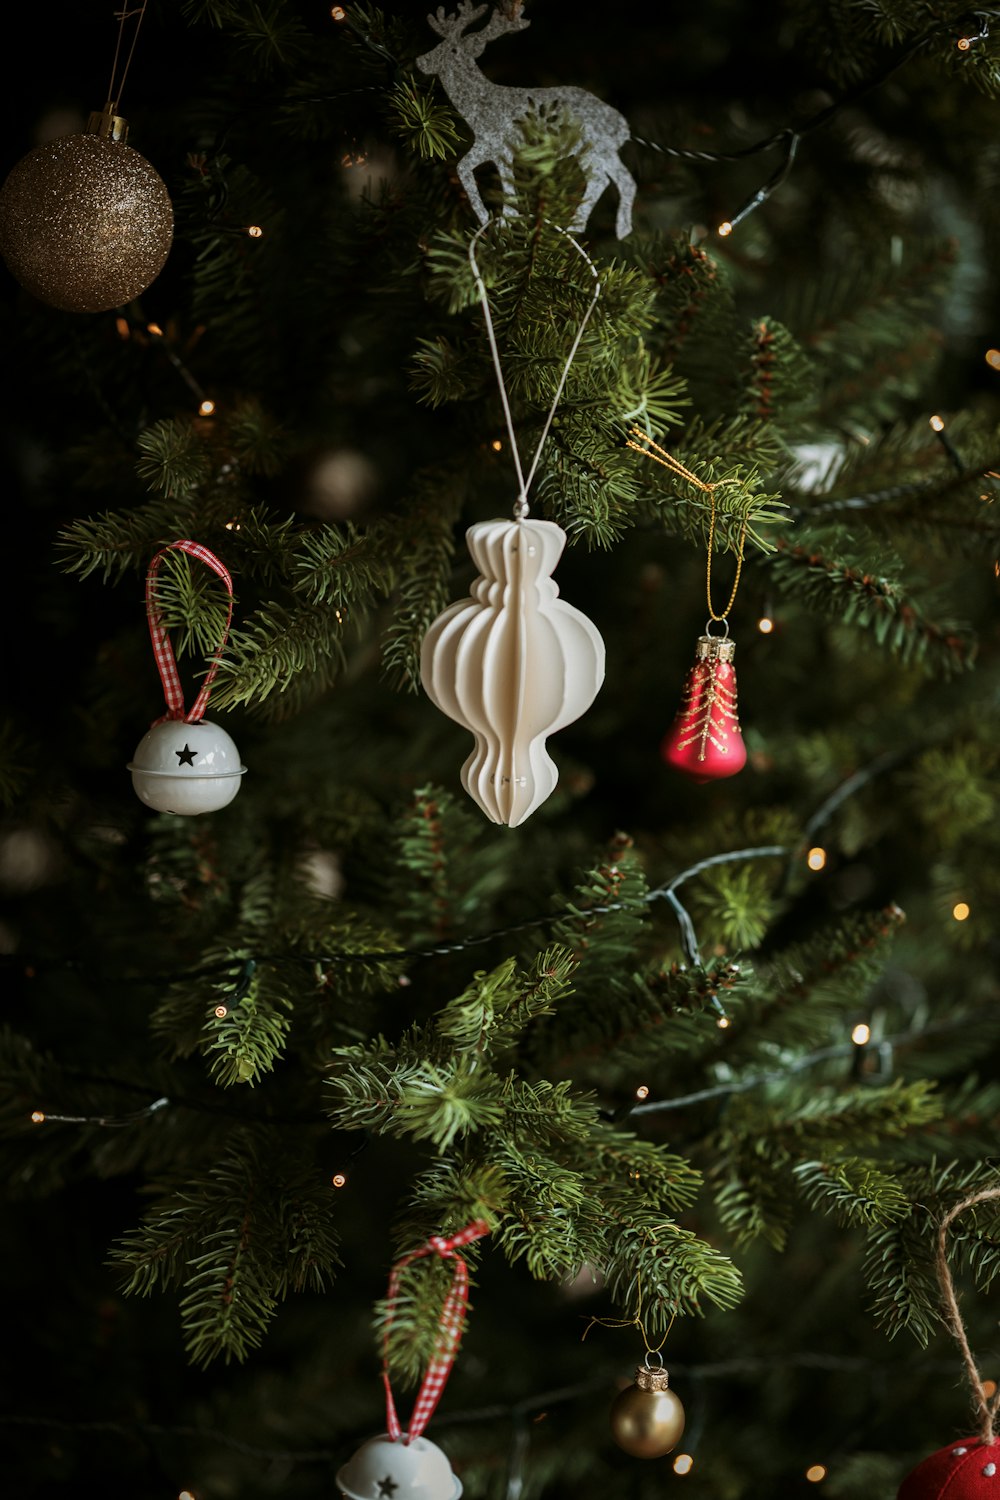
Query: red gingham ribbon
[[166, 662], [449, 1329]]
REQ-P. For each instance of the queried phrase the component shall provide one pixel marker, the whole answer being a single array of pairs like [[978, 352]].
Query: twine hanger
[[986, 1407], [521, 504], [645, 444]]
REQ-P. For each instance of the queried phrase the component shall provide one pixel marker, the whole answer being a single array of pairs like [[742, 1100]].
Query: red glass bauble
[[704, 741], [964, 1470]]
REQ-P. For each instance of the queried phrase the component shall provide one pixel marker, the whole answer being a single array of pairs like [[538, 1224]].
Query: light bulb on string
[[37, 1116], [339, 1179], [960, 911], [816, 1473], [816, 858], [683, 1463], [992, 357], [206, 408], [725, 229], [765, 624], [254, 231], [861, 1034], [642, 1092]]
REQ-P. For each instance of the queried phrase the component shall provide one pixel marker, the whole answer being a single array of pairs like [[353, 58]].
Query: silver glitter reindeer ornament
[[492, 112]]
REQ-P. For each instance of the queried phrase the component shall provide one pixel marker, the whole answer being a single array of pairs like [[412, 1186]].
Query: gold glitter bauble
[[85, 223], [647, 1419]]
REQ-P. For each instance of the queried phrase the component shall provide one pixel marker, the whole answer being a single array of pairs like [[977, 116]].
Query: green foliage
[[236, 1244]]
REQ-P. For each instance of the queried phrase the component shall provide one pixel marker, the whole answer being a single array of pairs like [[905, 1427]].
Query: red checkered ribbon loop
[[166, 662], [449, 1329]]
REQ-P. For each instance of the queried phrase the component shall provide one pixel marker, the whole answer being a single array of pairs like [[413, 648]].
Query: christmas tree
[[710, 1056]]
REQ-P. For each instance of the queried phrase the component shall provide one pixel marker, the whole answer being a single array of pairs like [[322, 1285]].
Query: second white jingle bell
[[395, 1470], [186, 768]]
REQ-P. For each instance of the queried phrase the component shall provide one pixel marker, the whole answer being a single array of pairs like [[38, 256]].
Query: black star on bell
[[185, 756], [387, 1485]]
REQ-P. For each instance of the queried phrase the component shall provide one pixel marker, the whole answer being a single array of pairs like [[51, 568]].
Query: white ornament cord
[[521, 505]]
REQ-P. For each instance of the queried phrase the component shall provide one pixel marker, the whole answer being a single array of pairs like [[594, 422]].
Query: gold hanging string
[[114, 96], [645, 444], [986, 1407], [634, 1322]]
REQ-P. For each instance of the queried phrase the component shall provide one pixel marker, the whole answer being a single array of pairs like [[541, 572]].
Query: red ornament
[[704, 741], [964, 1470]]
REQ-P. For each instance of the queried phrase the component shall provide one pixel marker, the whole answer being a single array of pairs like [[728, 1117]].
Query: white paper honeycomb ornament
[[513, 663]]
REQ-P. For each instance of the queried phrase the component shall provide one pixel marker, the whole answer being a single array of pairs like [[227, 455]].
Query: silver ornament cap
[[186, 768], [388, 1469]]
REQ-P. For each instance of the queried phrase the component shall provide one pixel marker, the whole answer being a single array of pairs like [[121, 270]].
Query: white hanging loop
[[521, 509]]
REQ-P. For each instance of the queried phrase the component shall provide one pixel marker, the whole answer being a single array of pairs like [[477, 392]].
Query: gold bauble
[[85, 222], [647, 1419]]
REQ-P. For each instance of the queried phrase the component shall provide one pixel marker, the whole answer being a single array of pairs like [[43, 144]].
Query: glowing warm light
[[339, 1179], [123, 329], [232, 525], [937, 423], [722, 1023], [254, 231], [960, 911], [338, 13], [815, 1473], [993, 358], [155, 330], [37, 1116], [725, 228], [185, 1495], [221, 1010], [862, 1033], [206, 408], [683, 1463], [996, 568], [496, 445], [642, 1092], [964, 43], [816, 858], [989, 1388], [765, 624]]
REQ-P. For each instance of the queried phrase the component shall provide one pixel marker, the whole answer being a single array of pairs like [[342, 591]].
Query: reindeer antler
[[448, 26], [501, 21]]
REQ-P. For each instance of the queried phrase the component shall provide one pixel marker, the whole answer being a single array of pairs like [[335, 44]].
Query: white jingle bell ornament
[[399, 1470], [186, 768], [184, 763], [513, 663]]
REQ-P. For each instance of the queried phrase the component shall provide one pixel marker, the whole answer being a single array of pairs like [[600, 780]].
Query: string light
[[724, 229], [722, 1023], [232, 525], [155, 330], [960, 911], [642, 1092], [815, 1473], [993, 358], [765, 624], [683, 1463], [339, 1179], [989, 1388], [964, 43], [338, 13], [37, 1116], [861, 1034], [124, 332], [937, 423], [254, 231], [496, 445], [816, 858], [185, 1495], [221, 1010], [206, 408]]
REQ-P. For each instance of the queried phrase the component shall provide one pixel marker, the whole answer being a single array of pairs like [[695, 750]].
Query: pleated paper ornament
[[513, 663]]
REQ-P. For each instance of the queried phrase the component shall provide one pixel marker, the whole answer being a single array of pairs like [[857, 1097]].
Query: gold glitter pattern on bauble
[[85, 223]]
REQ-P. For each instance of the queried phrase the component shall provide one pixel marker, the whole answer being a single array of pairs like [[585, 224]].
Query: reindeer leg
[[625, 183], [466, 176], [505, 168], [597, 180]]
